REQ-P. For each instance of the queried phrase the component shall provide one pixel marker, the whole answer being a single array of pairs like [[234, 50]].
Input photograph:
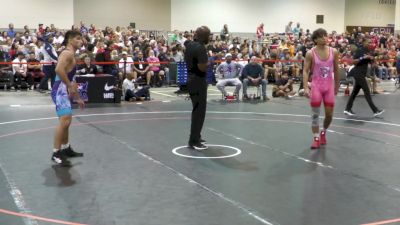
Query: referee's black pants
[[361, 83], [198, 94]]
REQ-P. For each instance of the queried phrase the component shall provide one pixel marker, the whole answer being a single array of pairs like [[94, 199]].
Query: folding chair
[[256, 95], [230, 98]]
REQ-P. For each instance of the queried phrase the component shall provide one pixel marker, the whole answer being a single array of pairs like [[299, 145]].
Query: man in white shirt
[[131, 93], [58, 39], [125, 65], [27, 39], [229, 72], [176, 55], [182, 38], [20, 72]]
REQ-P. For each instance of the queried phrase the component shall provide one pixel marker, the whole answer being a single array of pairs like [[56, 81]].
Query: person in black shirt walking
[[361, 59], [196, 59]]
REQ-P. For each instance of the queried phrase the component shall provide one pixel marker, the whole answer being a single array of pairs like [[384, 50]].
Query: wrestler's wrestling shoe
[[316, 143], [70, 153], [322, 138], [60, 159]]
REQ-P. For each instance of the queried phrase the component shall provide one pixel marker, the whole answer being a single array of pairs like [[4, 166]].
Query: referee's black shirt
[[195, 53]]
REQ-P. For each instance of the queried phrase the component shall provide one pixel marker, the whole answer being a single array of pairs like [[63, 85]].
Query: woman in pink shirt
[[155, 70], [260, 32]]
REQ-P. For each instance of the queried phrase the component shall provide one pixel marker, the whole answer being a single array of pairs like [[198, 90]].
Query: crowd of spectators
[[148, 50]]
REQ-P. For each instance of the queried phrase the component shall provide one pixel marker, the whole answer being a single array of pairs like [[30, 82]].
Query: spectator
[[84, 29], [183, 38], [347, 60], [36, 47], [164, 57], [104, 55], [176, 55], [141, 69], [381, 69], [41, 29], [269, 68], [26, 29], [358, 33], [372, 79], [391, 56], [225, 33], [243, 61], [210, 68], [131, 93], [296, 30], [282, 48], [26, 39], [6, 69], [382, 41], [53, 29], [118, 31], [11, 32], [288, 28], [153, 46], [253, 74], [292, 49], [92, 29], [13, 50], [20, 70], [58, 39], [229, 72], [308, 34], [99, 48], [125, 65], [260, 32], [283, 87], [287, 64], [154, 68], [298, 66], [34, 68], [47, 32], [4, 36], [87, 67], [136, 51], [398, 65]]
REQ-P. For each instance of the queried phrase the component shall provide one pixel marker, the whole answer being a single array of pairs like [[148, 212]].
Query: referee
[[196, 60], [361, 59]]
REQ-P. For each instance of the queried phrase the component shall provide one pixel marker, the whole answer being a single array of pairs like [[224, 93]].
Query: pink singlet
[[322, 84]]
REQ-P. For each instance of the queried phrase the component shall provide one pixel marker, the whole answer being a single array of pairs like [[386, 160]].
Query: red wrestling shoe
[[322, 137], [316, 143]]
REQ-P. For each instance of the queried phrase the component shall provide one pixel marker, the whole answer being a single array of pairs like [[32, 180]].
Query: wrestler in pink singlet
[[323, 82]]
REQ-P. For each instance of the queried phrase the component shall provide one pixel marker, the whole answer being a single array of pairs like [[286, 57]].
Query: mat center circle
[[210, 153]]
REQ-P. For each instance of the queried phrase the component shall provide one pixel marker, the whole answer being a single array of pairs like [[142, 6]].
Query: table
[[98, 88]]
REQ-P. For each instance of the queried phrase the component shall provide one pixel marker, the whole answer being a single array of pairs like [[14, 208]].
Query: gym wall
[[245, 16], [147, 14], [33, 12]]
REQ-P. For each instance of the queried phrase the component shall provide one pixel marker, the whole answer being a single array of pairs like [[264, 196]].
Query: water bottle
[[5, 87]]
